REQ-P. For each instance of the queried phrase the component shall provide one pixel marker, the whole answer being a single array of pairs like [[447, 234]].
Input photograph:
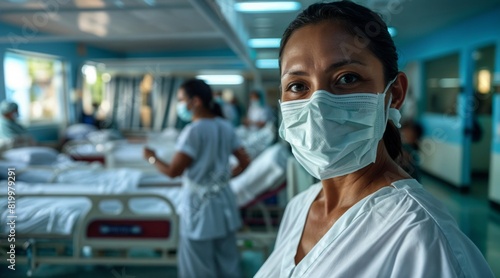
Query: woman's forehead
[[181, 93], [327, 37], [320, 45]]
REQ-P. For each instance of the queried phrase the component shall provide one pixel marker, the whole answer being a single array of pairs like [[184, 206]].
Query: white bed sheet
[[121, 153], [263, 173], [126, 154], [69, 171], [256, 141]]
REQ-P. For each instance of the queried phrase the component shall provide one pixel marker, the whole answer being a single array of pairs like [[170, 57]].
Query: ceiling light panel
[[267, 7], [264, 43]]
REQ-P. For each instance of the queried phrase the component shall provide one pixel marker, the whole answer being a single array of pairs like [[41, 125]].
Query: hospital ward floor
[[471, 210]]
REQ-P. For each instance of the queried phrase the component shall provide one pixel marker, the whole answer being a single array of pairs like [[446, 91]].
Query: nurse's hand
[[148, 153]]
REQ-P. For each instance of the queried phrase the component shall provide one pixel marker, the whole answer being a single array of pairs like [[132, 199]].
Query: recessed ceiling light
[[267, 7], [264, 43], [267, 63], [223, 79]]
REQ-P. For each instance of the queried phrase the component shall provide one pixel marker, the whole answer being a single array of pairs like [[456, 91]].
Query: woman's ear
[[398, 90], [196, 102]]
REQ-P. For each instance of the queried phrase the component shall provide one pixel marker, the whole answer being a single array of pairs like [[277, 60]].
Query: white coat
[[398, 231]]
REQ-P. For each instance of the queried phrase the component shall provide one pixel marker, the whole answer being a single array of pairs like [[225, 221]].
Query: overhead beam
[[193, 65], [56, 8], [213, 14], [194, 61], [114, 38]]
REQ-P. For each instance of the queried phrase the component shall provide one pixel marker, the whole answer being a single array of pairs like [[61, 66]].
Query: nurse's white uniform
[[209, 214], [398, 231]]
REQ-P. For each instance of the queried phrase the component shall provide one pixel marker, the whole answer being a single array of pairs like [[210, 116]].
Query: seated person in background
[[258, 114], [11, 132]]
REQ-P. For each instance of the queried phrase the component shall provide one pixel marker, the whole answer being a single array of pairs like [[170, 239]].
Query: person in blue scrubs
[[209, 213]]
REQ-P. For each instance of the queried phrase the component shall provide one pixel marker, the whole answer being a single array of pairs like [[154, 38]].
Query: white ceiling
[[199, 32]]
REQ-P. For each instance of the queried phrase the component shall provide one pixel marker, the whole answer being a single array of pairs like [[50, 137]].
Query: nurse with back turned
[[209, 215]]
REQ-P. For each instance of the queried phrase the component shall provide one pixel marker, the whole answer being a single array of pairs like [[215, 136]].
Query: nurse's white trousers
[[218, 258]]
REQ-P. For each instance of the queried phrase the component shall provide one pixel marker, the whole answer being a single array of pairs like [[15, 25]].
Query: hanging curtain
[[164, 100], [124, 100]]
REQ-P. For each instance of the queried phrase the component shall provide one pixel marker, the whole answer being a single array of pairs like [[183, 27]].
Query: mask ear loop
[[392, 114]]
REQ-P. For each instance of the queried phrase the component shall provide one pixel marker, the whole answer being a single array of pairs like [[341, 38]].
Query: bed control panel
[[146, 229]]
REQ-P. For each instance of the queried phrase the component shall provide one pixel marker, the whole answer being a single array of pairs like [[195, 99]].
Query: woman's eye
[[347, 79], [296, 88]]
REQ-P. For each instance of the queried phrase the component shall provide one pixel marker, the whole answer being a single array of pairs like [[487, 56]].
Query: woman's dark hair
[[198, 88], [372, 31]]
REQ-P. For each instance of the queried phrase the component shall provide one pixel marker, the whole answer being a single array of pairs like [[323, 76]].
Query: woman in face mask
[[208, 212], [341, 91]]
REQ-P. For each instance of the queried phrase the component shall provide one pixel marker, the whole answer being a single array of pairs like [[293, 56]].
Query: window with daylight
[[37, 83]]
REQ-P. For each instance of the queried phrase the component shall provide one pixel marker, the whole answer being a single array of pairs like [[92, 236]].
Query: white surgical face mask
[[183, 112], [254, 102], [334, 135]]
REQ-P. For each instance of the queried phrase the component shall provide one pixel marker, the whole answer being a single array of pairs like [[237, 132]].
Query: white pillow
[[103, 136], [32, 155], [79, 131]]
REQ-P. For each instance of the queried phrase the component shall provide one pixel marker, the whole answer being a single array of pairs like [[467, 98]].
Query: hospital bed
[[106, 147], [266, 170], [54, 167], [123, 153], [54, 226], [84, 142], [54, 214]]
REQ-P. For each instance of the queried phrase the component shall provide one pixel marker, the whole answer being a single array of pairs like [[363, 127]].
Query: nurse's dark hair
[[198, 88], [374, 35]]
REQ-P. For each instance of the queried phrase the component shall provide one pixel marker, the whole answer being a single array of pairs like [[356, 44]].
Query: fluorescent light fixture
[[226, 79], [267, 63], [392, 31], [264, 43], [267, 7]]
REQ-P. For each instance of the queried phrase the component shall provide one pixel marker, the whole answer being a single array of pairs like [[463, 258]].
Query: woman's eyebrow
[[345, 62], [333, 66]]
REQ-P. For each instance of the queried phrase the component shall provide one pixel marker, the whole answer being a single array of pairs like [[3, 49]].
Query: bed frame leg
[[267, 217], [30, 248]]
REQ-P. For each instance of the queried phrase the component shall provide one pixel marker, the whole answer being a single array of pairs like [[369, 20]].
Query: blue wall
[[462, 38]]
